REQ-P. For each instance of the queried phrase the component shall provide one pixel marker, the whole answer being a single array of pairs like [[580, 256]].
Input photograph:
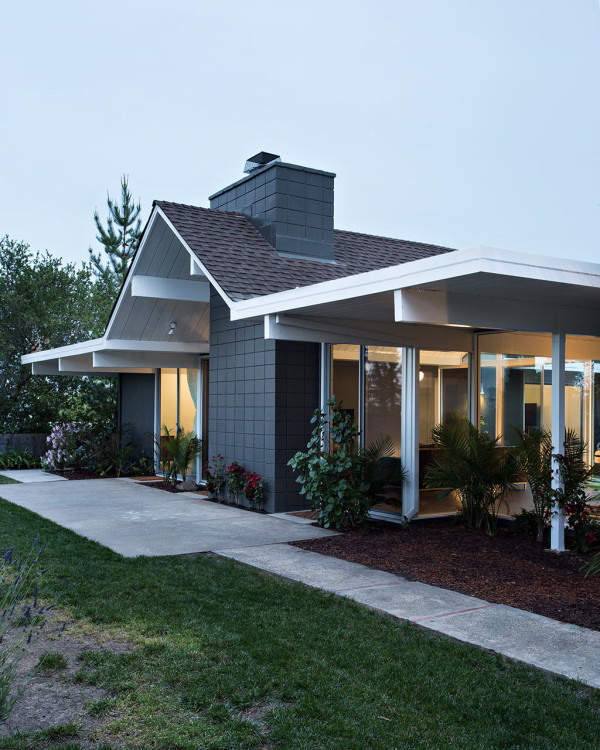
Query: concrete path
[[27, 476], [565, 649], [135, 520]]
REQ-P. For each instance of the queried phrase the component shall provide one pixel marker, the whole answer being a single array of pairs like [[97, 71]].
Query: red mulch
[[161, 485], [508, 569], [82, 474]]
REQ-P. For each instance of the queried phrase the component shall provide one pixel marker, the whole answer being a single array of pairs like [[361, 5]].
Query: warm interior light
[[421, 375]]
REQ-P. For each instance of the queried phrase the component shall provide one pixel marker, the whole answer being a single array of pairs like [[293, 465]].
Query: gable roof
[[245, 265]]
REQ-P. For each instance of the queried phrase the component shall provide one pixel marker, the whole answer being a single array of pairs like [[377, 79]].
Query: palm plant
[[178, 452], [534, 454], [472, 465]]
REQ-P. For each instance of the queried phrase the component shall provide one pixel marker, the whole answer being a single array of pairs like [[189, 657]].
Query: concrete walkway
[[135, 520], [27, 476]]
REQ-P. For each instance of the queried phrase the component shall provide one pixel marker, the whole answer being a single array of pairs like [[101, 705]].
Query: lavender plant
[[22, 617]]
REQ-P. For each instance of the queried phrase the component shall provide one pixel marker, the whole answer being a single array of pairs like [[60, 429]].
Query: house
[[239, 320]]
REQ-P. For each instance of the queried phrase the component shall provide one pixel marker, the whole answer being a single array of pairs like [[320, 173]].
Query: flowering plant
[[66, 447], [255, 489], [572, 498], [214, 471], [235, 479]]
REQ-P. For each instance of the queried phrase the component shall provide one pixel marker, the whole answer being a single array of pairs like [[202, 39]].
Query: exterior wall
[[291, 206], [136, 408], [261, 397]]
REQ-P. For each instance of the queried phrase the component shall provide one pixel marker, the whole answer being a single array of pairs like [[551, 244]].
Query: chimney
[[291, 206]]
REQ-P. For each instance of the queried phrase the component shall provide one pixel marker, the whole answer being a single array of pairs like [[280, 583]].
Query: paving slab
[[555, 646], [27, 476], [132, 519], [319, 571]]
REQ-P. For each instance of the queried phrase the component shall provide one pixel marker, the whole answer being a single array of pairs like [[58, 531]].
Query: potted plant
[[235, 481]]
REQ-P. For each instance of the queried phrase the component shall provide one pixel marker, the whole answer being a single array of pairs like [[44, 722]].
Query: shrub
[[471, 465], [178, 452], [340, 479], [255, 489], [67, 447], [235, 480], [18, 458], [214, 471]]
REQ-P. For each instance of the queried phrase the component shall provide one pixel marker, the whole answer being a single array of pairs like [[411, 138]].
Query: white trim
[[440, 308], [557, 531], [131, 271], [118, 359], [424, 271], [376, 333], [195, 258], [410, 431], [116, 345], [158, 287]]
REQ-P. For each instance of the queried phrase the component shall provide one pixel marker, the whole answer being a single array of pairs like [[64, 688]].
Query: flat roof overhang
[[478, 288], [108, 358]]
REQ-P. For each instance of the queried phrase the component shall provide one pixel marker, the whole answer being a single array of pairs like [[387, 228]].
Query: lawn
[[230, 657], [7, 480]]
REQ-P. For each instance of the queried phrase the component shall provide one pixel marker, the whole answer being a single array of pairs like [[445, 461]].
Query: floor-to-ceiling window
[[367, 380], [179, 403], [516, 387]]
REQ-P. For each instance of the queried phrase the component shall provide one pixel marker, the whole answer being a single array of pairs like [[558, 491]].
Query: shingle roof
[[245, 265]]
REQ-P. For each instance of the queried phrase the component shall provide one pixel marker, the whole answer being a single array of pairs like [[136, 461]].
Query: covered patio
[[508, 339]]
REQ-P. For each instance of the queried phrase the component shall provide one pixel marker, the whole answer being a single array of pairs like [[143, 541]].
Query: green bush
[[340, 479], [18, 458]]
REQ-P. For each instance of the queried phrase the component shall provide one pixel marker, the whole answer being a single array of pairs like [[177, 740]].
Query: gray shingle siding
[[262, 394]]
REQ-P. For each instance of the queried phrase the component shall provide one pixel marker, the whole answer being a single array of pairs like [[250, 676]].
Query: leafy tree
[[43, 304], [119, 239]]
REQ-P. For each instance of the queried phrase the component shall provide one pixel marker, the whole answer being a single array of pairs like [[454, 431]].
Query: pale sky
[[457, 122]]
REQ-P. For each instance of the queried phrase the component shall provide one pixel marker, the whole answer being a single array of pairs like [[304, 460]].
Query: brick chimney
[[291, 206]]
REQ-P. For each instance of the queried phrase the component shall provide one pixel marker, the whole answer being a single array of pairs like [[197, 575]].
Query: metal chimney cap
[[260, 160]]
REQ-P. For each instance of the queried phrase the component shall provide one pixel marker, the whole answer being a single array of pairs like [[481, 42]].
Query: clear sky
[[458, 122]]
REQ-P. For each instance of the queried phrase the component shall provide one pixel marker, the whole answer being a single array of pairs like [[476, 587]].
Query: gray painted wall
[[136, 408], [291, 206], [262, 395]]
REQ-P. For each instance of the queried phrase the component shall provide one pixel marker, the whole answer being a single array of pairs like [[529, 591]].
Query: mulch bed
[[508, 569], [82, 474], [161, 485]]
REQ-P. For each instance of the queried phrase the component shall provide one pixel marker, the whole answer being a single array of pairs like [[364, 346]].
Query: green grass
[[52, 662], [8, 480], [216, 640]]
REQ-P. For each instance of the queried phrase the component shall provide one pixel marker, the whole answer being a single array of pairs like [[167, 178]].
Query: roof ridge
[[197, 208]]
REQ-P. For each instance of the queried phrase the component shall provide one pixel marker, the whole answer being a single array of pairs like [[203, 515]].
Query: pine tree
[[119, 240]]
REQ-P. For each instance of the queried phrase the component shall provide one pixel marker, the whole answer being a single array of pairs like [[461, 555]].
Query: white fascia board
[[98, 345], [193, 257], [131, 272], [118, 360], [419, 272], [157, 287], [83, 347], [442, 309], [374, 333]]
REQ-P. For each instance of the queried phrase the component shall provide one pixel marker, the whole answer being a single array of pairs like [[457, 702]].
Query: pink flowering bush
[[66, 448]]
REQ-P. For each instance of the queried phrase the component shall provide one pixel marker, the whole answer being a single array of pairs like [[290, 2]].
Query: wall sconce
[[421, 375], [172, 327]]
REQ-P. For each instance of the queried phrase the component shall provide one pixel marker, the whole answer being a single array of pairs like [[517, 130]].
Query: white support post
[[410, 430], [557, 533]]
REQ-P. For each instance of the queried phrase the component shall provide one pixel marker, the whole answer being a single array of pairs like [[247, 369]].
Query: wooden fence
[[35, 442]]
